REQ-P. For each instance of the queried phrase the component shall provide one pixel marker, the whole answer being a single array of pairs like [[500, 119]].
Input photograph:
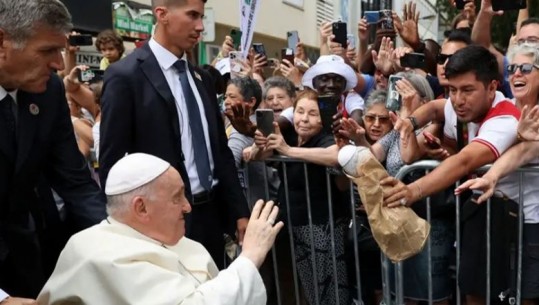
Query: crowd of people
[[143, 176]]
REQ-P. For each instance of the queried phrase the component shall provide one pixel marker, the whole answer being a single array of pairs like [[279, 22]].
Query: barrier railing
[[387, 298]]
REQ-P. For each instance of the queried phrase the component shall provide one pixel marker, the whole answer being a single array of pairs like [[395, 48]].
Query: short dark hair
[[109, 36], [531, 20], [476, 59], [249, 88], [459, 35], [169, 2]]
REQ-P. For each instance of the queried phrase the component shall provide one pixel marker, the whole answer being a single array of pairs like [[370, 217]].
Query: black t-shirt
[[318, 190]]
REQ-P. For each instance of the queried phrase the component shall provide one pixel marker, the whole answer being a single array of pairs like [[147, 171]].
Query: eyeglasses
[[524, 68], [442, 58], [531, 40], [371, 118]]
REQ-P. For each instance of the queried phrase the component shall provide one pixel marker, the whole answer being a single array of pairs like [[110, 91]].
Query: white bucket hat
[[330, 64]]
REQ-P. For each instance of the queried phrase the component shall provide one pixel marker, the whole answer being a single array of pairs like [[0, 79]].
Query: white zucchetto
[[133, 171]]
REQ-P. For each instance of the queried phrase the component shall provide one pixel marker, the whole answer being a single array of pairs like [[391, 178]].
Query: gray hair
[[118, 205], [377, 97], [20, 18], [526, 49], [420, 84], [279, 82]]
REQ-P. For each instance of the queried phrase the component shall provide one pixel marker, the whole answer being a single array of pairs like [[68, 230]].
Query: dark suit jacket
[[47, 151], [139, 115]]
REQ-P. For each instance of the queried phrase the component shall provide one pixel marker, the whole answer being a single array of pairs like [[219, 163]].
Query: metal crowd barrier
[[388, 297]]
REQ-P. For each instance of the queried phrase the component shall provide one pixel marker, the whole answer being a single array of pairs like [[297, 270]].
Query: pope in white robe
[[114, 263]]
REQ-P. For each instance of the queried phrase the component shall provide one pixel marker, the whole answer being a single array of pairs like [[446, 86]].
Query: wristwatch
[[414, 122]]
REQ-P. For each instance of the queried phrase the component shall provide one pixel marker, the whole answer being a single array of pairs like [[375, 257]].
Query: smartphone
[[372, 16], [351, 41], [413, 60], [287, 53], [394, 100], [327, 106], [236, 58], [80, 40], [259, 49], [386, 18], [339, 30], [508, 5], [236, 38], [460, 4], [90, 76], [431, 142], [264, 121], [292, 38]]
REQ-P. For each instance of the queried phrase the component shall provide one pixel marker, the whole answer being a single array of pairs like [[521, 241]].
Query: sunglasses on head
[[524, 68], [442, 58], [371, 118]]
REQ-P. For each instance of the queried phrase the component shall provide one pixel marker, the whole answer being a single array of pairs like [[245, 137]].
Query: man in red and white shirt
[[489, 127]]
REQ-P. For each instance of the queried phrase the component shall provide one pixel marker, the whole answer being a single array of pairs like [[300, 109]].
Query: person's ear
[[252, 102], [3, 43], [139, 209], [161, 14]]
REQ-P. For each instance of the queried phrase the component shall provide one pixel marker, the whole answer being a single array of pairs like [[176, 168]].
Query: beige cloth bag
[[399, 232]]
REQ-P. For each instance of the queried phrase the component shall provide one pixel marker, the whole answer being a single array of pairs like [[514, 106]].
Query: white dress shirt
[[166, 60]]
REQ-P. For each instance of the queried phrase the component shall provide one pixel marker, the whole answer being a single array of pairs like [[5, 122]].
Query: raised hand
[[276, 140], [290, 71], [363, 30], [227, 46], [353, 131], [408, 29], [486, 7], [410, 97], [300, 52], [326, 32], [383, 59], [528, 126], [239, 118], [261, 232]]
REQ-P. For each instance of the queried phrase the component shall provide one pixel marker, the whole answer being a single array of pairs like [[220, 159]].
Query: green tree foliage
[[502, 26]]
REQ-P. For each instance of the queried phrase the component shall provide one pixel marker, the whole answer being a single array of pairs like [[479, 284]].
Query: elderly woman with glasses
[[376, 119], [524, 79]]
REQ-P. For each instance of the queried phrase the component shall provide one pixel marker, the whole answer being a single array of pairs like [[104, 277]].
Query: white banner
[[248, 12]]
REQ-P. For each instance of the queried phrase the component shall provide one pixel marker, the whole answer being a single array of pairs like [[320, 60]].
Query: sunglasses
[[442, 58], [371, 118], [524, 68]]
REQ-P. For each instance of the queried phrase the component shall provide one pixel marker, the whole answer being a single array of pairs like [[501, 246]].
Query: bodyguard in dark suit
[[37, 144], [155, 102]]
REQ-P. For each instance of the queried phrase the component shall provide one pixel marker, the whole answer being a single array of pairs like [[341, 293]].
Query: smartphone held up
[[327, 106], [394, 99], [264, 121], [340, 32], [90, 76]]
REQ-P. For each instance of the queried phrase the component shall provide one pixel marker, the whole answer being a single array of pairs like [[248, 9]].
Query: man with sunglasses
[[490, 121]]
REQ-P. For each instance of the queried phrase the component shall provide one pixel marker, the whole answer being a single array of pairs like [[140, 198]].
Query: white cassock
[[111, 263]]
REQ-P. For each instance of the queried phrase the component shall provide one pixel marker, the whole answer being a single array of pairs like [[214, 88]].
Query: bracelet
[[414, 122], [522, 139]]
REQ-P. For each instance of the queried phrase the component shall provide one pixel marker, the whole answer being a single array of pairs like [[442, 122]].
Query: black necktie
[[202, 160], [6, 111]]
